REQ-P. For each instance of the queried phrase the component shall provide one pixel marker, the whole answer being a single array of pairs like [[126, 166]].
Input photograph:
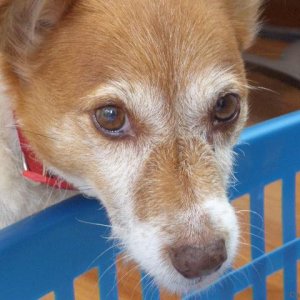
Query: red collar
[[34, 170]]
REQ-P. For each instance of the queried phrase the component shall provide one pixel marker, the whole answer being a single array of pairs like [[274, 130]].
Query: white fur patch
[[19, 197]]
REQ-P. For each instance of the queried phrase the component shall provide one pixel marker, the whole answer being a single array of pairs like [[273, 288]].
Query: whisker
[[95, 224], [251, 226], [119, 280], [117, 260], [251, 212], [253, 85], [100, 255]]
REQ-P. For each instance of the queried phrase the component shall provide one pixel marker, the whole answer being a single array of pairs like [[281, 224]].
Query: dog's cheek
[[120, 166]]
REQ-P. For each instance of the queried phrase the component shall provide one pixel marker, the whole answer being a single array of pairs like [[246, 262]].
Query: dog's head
[[139, 103]]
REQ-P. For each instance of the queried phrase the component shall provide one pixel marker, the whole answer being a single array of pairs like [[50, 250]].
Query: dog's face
[[139, 103]]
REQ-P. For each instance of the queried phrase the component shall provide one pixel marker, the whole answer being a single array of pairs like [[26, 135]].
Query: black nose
[[194, 262]]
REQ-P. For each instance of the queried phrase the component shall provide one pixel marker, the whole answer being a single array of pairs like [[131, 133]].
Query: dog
[[138, 103]]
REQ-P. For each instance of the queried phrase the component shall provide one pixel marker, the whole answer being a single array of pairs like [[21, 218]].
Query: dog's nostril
[[194, 262]]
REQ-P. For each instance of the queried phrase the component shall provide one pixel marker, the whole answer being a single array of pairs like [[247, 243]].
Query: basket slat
[[46, 252]]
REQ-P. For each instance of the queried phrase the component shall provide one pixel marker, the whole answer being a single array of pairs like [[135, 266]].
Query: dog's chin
[[180, 285], [173, 282], [165, 276], [189, 285]]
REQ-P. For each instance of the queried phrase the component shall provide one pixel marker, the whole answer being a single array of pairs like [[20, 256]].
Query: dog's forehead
[[166, 44], [165, 41]]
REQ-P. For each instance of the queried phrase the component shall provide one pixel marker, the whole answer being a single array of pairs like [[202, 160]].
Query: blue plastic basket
[[48, 251]]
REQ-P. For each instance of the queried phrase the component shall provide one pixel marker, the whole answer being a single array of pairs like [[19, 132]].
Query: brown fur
[[57, 53], [171, 177]]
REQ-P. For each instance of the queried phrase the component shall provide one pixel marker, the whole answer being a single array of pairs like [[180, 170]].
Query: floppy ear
[[244, 15], [23, 26]]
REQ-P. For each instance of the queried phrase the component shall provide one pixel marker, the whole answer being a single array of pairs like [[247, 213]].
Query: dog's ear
[[244, 15], [23, 26]]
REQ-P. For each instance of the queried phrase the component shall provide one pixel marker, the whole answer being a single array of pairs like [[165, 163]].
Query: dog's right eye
[[111, 120]]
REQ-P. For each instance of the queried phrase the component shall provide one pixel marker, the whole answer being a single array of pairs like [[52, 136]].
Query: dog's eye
[[227, 109], [110, 119]]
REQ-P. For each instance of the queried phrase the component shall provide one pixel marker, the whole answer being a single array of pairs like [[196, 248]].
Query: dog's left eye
[[227, 108], [111, 120]]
